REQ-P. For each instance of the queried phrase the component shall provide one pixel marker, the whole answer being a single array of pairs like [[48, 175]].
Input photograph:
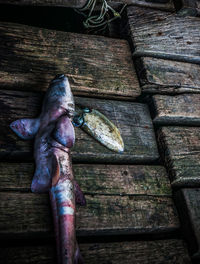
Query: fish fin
[[41, 180], [79, 196], [26, 128], [64, 132], [78, 259]]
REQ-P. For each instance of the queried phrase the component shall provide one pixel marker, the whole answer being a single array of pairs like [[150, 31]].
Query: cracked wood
[[176, 110], [160, 76], [181, 151], [95, 65], [96, 178], [164, 35], [120, 200]]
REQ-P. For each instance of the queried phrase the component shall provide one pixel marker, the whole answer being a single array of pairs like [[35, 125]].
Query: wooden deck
[[142, 205]]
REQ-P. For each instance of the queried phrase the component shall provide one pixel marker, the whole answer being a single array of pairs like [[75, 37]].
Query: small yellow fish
[[101, 128]]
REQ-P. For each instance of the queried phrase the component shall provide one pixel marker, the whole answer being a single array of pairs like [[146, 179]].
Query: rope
[[98, 21]]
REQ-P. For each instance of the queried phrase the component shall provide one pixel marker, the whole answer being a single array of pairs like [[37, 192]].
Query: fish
[[54, 136], [99, 127]]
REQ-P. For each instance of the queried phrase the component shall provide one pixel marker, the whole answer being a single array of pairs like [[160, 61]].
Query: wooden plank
[[176, 110], [181, 150], [139, 202], [164, 35], [187, 201], [96, 179], [28, 215], [188, 7], [132, 119], [96, 66], [140, 252], [160, 4], [64, 3], [162, 76], [167, 5]]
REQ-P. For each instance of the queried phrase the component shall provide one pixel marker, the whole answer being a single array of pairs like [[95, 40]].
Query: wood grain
[[188, 7], [140, 252], [132, 119], [187, 201], [96, 66], [164, 35], [120, 200], [28, 215], [95, 179], [167, 5], [160, 4], [176, 110], [181, 151], [64, 3], [162, 76]]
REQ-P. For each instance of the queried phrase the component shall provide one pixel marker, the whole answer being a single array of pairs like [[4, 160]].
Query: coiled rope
[[94, 21]]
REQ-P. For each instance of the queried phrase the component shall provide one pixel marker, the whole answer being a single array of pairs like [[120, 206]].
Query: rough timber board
[[181, 150], [96, 66], [132, 119], [140, 252], [162, 5], [96, 179], [64, 3], [164, 35], [187, 201], [162, 76], [140, 204], [181, 109]]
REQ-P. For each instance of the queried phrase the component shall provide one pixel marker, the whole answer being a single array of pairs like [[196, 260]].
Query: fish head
[[59, 98]]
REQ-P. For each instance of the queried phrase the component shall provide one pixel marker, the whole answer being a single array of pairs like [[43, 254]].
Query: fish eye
[[78, 121]]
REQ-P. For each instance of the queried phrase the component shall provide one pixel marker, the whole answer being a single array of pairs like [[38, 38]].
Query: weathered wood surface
[[176, 110], [188, 7], [167, 5], [164, 35], [96, 66], [187, 201], [181, 150], [162, 76], [138, 202], [132, 119], [64, 3], [140, 252], [159, 4], [96, 179]]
